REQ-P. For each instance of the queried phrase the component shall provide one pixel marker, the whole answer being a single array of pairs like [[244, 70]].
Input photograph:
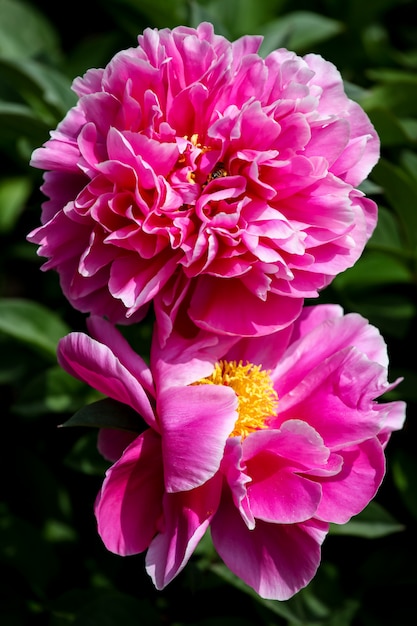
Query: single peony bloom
[[194, 174], [265, 440]]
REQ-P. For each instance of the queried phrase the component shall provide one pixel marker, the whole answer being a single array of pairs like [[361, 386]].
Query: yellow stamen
[[257, 398]]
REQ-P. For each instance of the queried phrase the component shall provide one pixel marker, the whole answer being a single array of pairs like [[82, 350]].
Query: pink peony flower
[[265, 440], [195, 174]]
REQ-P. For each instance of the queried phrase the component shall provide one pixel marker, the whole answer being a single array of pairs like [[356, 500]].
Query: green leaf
[[400, 97], [18, 120], [129, 14], [45, 89], [106, 607], [106, 413], [23, 548], [392, 131], [33, 324], [387, 235], [373, 522], [408, 161], [236, 17], [14, 192], [404, 472], [375, 268], [51, 391], [401, 191], [85, 457], [25, 32], [299, 31]]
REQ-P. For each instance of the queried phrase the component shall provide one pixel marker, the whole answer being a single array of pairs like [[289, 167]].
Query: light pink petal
[[96, 365], [195, 424], [333, 99], [186, 519], [276, 560], [129, 505]]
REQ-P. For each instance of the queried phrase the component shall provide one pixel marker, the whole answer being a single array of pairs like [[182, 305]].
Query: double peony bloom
[[216, 184], [220, 188]]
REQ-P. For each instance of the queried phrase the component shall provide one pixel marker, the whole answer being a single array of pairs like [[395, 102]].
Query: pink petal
[[94, 363], [186, 519], [228, 307], [182, 361], [237, 479], [274, 459], [111, 442], [276, 560], [107, 334], [335, 399], [129, 504], [195, 423], [348, 492]]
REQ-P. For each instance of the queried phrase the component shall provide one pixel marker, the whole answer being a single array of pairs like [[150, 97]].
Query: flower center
[[257, 398]]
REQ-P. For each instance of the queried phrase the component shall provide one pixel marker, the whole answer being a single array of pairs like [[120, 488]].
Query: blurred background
[[54, 568]]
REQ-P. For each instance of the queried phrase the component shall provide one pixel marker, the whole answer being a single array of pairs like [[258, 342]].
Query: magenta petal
[[95, 364], [182, 361], [111, 443], [275, 461], [186, 518], [347, 493], [107, 334], [276, 560], [266, 349], [228, 307], [237, 479], [129, 504], [195, 423]]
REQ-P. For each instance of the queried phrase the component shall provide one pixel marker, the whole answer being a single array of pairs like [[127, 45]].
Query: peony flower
[[194, 174], [263, 440]]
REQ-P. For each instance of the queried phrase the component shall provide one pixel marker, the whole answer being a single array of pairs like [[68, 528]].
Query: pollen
[[257, 398]]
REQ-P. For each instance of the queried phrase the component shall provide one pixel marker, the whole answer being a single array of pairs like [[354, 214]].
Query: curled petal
[[129, 504], [95, 364], [186, 519]]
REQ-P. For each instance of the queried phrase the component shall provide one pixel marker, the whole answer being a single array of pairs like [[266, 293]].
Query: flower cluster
[[220, 188]]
